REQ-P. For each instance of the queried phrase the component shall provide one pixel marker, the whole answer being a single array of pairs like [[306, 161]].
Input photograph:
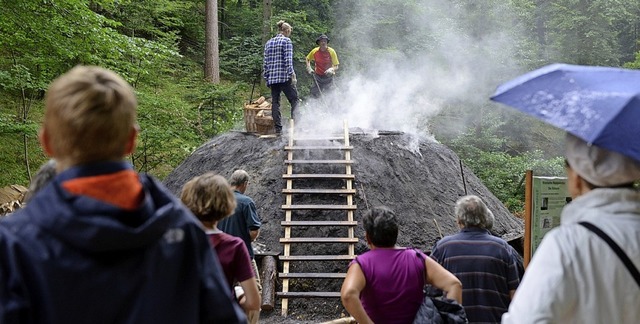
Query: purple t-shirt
[[394, 281], [233, 256]]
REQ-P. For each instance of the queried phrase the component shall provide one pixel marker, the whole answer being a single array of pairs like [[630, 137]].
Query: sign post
[[544, 199]]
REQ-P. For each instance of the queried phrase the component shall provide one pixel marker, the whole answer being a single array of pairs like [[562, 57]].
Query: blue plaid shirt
[[278, 60]]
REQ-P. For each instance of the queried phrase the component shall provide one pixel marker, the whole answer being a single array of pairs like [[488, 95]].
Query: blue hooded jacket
[[69, 258]]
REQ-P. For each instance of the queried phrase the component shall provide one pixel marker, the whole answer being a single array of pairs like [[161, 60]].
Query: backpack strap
[[616, 248]]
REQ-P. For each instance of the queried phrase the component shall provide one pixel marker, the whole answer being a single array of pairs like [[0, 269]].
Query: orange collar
[[122, 188]]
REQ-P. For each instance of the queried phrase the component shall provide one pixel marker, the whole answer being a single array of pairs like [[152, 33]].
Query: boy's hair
[[381, 226], [90, 113], [209, 197]]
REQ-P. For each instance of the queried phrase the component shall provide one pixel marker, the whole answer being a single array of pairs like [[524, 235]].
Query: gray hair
[[238, 178], [45, 174], [471, 211]]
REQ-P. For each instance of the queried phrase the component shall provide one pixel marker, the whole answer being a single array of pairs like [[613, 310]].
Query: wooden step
[[313, 275], [318, 176], [318, 138], [318, 161], [319, 207], [316, 257], [322, 148], [319, 191], [318, 240], [308, 294], [319, 223]]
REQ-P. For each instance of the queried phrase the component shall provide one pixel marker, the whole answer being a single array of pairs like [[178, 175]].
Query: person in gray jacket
[[575, 276]]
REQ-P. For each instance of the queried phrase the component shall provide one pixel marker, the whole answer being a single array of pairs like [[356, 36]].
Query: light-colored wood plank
[[313, 275], [316, 257], [319, 191], [319, 240], [317, 176], [319, 207], [318, 161], [319, 223], [309, 294]]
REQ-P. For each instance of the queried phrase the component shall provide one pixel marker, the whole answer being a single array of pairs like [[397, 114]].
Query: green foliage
[[70, 33], [585, 32], [158, 46], [482, 149], [9, 125], [241, 58], [220, 109], [168, 126], [14, 169], [635, 64], [178, 114]]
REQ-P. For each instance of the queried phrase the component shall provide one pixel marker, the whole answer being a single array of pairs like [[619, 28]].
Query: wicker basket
[[252, 112], [264, 125], [250, 119]]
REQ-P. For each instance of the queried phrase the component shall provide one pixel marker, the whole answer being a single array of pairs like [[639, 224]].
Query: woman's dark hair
[[381, 226]]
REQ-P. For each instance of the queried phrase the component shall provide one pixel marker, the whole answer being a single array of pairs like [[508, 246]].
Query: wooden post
[[268, 277], [528, 193]]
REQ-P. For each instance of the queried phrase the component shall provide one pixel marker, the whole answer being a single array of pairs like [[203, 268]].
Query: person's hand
[[330, 71], [294, 80], [309, 69]]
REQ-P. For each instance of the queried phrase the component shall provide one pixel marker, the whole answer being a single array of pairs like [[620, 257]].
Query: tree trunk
[[268, 277], [266, 29], [212, 59], [266, 20]]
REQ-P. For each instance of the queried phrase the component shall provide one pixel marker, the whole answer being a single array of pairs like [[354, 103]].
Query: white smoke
[[402, 62]]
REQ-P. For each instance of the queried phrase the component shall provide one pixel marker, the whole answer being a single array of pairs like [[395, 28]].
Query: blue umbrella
[[601, 105]]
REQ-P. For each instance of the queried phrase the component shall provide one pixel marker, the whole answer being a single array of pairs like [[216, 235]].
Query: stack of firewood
[[260, 103], [11, 198]]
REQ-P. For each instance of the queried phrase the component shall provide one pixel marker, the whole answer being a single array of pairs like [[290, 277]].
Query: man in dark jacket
[[101, 243], [244, 223]]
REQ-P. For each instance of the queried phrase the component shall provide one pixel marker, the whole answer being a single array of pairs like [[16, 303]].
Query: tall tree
[[212, 56], [266, 20]]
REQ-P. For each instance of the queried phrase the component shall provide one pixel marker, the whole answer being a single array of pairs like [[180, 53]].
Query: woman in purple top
[[211, 199], [384, 285]]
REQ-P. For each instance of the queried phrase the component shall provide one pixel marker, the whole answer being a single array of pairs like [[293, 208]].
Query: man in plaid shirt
[[279, 73]]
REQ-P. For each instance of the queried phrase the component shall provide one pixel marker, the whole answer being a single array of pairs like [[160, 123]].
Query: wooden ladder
[[326, 201]]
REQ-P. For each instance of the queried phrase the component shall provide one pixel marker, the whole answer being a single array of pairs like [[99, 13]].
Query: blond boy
[[101, 243]]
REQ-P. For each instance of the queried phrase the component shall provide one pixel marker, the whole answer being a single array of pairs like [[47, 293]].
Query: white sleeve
[[548, 290]]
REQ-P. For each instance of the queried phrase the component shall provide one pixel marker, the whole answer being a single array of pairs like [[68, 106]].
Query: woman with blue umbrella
[[585, 270]]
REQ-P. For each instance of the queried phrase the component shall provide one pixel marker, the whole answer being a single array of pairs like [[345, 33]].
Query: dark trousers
[[320, 85], [292, 96]]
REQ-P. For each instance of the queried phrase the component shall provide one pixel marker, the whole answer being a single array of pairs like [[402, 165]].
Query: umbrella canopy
[[601, 105]]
